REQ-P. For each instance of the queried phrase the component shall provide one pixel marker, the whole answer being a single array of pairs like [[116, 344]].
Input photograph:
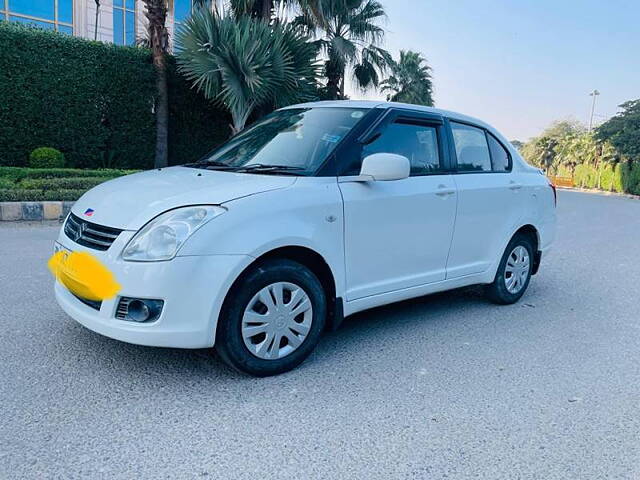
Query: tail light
[[555, 194]]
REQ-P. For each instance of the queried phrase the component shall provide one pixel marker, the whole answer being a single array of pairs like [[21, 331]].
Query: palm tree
[[244, 63], [264, 9], [158, 38], [410, 80], [350, 37]]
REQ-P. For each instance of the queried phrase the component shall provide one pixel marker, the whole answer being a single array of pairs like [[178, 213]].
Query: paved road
[[444, 386]]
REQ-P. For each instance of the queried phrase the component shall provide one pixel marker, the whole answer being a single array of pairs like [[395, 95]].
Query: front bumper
[[192, 287]]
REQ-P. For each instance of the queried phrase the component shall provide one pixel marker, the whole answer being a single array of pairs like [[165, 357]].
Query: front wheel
[[514, 272], [272, 319]]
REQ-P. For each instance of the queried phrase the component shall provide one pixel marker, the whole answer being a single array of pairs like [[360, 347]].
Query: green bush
[[618, 180], [633, 184], [623, 177], [24, 195], [20, 173], [61, 183], [93, 101], [46, 157], [585, 176], [605, 171], [563, 171], [7, 183]]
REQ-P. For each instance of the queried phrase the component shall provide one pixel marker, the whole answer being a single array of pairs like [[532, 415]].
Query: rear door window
[[472, 149]]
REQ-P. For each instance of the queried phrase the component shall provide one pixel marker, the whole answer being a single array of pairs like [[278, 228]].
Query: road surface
[[446, 386]]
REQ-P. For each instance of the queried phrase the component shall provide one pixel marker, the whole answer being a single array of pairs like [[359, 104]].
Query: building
[[119, 21]]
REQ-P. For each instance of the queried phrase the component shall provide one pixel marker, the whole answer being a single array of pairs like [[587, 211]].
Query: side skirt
[[373, 301]]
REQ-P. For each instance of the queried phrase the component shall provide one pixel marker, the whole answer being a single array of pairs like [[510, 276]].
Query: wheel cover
[[277, 320], [516, 271]]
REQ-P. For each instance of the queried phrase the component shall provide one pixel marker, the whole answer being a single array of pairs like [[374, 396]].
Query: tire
[[503, 290], [249, 328]]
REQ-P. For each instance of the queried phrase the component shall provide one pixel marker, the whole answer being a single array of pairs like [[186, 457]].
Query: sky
[[521, 64]]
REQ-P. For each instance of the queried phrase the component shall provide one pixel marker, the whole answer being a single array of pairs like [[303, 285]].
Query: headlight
[[162, 237]]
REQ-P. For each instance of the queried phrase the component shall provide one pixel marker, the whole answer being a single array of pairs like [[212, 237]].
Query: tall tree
[[623, 130], [410, 80], [264, 9], [158, 37], [244, 63], [518, 144], [350, 37]]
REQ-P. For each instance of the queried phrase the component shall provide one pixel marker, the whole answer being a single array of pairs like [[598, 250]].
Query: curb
[[601, 192], [34, 211]]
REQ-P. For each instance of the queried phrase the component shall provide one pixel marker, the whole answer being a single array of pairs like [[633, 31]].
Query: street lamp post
[[593, 94]]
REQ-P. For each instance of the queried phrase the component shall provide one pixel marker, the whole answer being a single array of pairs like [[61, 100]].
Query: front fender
[[308, 214]]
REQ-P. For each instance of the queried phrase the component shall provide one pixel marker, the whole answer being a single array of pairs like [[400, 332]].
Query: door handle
[[514, 186], [443, 191]]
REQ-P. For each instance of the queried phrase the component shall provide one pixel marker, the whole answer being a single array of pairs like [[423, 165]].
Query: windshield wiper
[[210, 165], [263, 168]]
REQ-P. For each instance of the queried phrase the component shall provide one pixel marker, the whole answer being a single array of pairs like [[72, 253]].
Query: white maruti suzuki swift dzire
[[315, 212]]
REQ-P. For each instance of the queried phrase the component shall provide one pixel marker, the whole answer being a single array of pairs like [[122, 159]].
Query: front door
[[398, 233]]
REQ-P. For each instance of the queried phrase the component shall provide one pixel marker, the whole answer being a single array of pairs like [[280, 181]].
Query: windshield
[[294, 141]]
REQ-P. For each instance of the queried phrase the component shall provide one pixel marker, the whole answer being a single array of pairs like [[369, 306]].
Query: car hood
[[131, 201]]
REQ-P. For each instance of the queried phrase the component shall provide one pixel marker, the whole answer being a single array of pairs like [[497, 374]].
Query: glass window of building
[[47, 14], [182, 9], [124, 22]]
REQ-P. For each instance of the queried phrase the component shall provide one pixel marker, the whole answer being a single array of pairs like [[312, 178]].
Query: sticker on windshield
[[331, 138], [357, 115]]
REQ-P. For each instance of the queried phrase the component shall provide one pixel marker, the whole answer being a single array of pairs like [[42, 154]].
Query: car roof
[[380, 104]]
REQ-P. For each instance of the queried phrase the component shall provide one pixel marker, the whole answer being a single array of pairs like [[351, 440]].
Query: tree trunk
[[162, 114], [159, 42], [239, 117], [333, 87], [267, 7], [332, 72], [262, 9]]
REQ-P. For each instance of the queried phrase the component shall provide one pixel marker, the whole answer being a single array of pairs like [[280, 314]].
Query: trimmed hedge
[[19, 173], [6, 183], [24, 195], [33, 184], [195, 126], [93, 101], [622, 178], [84, 183]]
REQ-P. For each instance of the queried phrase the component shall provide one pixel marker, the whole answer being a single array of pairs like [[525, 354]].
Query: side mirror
[[385, 167]]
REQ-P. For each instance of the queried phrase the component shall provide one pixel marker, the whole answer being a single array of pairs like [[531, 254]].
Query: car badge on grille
[[88, 212], [77, 234]]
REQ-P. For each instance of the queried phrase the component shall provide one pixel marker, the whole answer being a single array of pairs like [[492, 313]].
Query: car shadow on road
[[356, 332]]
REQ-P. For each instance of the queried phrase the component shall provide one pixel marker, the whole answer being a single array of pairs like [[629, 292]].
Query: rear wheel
[[514, 271], [272, 319]]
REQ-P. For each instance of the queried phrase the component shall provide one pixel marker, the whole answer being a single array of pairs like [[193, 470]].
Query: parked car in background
[[316, 212]]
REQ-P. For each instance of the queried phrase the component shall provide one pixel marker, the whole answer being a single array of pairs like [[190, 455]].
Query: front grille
[[90, 303], [90, 234]]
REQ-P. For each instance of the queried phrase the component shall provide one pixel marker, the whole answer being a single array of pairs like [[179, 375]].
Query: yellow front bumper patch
[[84, 275]]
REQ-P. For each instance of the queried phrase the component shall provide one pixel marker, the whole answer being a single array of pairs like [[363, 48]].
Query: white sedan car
[[315, 212]]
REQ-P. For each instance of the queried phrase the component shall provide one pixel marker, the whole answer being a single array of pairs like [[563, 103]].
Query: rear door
[[398, 233], [489, 199]]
